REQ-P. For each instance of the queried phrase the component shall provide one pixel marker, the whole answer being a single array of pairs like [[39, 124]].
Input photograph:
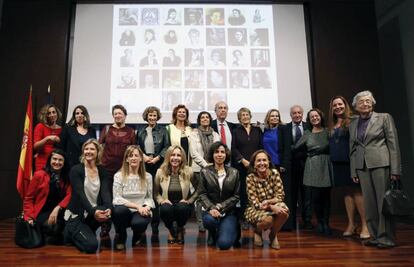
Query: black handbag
[[27, 236], [396, 201]]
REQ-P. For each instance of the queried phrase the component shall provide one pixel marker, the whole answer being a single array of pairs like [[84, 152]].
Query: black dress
[[339, 151]]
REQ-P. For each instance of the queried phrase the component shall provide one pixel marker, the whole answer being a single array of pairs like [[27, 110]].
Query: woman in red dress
[[46, 134]]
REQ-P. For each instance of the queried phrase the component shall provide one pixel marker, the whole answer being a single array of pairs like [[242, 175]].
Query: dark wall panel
[[33, 48], [345, 50]]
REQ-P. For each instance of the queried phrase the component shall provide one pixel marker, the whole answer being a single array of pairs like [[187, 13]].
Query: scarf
[[206, 138]]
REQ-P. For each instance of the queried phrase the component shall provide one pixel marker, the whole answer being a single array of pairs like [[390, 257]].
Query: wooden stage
[[300, 248]]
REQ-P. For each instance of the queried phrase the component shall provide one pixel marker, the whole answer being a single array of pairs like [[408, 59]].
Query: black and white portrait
[[216, 79], [148, 79], [215, 37]]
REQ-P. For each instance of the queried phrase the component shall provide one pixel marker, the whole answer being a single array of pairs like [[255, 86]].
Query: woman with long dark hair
[[76, 132], [48, 196]]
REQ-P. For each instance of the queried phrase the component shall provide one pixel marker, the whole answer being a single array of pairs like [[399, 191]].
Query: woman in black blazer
[[76, 132], [91, 203], [246, 140]]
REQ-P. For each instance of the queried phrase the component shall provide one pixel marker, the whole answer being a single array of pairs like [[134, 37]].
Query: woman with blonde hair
[[172, 190], [133, 201], [338, 125], [91, 203], [46, 134], [180, 129]]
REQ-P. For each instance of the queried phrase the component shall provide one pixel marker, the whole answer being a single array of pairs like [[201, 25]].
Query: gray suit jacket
[[380, 146]]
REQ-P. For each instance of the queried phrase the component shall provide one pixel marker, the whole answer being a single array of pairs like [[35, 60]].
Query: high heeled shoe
[[274, 242], [180, 236], [364, 234], [258, 240], [350, 231]]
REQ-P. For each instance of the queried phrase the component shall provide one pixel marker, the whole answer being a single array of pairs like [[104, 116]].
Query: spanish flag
[[24, 171]]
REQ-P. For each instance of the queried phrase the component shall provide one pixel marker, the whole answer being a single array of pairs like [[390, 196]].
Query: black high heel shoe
[[180, 236]]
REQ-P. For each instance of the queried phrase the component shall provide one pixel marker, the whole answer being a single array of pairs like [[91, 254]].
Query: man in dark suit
[[294, 167], [220, 125]]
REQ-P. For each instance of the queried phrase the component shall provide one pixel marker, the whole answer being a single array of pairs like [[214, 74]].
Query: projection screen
[[251, 56]]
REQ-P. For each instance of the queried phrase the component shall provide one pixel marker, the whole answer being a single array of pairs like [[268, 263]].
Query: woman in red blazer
[[48, 195]]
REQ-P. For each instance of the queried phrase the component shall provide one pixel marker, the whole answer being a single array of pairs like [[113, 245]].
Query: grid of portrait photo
[[192, 54]]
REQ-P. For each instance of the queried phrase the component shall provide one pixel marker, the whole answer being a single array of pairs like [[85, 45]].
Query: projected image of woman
[[172, 17], [126, 60], [171, 79], [194, 57], [150, 60], [149, 37], [238, 59], [215, 16], [236, 18], [216, 37], [128, 81], [194, 79], [170, 37], [218, 58], [194, 37], [46, 134], [261, 79], [237, 37], [127, 38], [193, 16], [149, 79], [216, 79], [128, 16], [239, 79], [259, 37], [260, 57], [171, 60]]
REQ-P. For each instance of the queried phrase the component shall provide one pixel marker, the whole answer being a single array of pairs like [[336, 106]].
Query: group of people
[[231, 175]]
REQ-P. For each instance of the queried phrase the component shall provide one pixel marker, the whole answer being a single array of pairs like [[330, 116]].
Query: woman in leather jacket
[[153, 140], [218, 194]]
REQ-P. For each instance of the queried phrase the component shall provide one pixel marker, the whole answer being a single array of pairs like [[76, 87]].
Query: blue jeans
[[224, 229]]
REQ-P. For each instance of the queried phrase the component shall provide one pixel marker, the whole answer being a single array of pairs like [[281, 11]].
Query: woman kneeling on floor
[[265, 193]]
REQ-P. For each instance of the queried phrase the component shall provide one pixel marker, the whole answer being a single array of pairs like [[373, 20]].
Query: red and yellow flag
[[24, 170]]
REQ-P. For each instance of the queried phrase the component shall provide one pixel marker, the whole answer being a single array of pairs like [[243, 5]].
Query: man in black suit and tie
[[294, 166], [220, 125]]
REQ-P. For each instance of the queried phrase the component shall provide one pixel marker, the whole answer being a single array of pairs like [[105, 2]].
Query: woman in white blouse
[[133, 201]]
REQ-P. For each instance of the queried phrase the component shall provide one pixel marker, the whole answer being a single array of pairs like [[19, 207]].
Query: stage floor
[[299, 248]]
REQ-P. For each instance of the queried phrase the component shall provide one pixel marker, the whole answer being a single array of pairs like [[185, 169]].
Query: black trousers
[[179, 213], [242, 193], [82, 232], [123, 218], [53, 231], [321, 200], [293, 184], [155, 221]]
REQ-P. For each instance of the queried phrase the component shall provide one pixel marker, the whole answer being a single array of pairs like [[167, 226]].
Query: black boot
[[211, 240]]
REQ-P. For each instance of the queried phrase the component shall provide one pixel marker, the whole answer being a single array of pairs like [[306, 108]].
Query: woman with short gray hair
[[375, 161]]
